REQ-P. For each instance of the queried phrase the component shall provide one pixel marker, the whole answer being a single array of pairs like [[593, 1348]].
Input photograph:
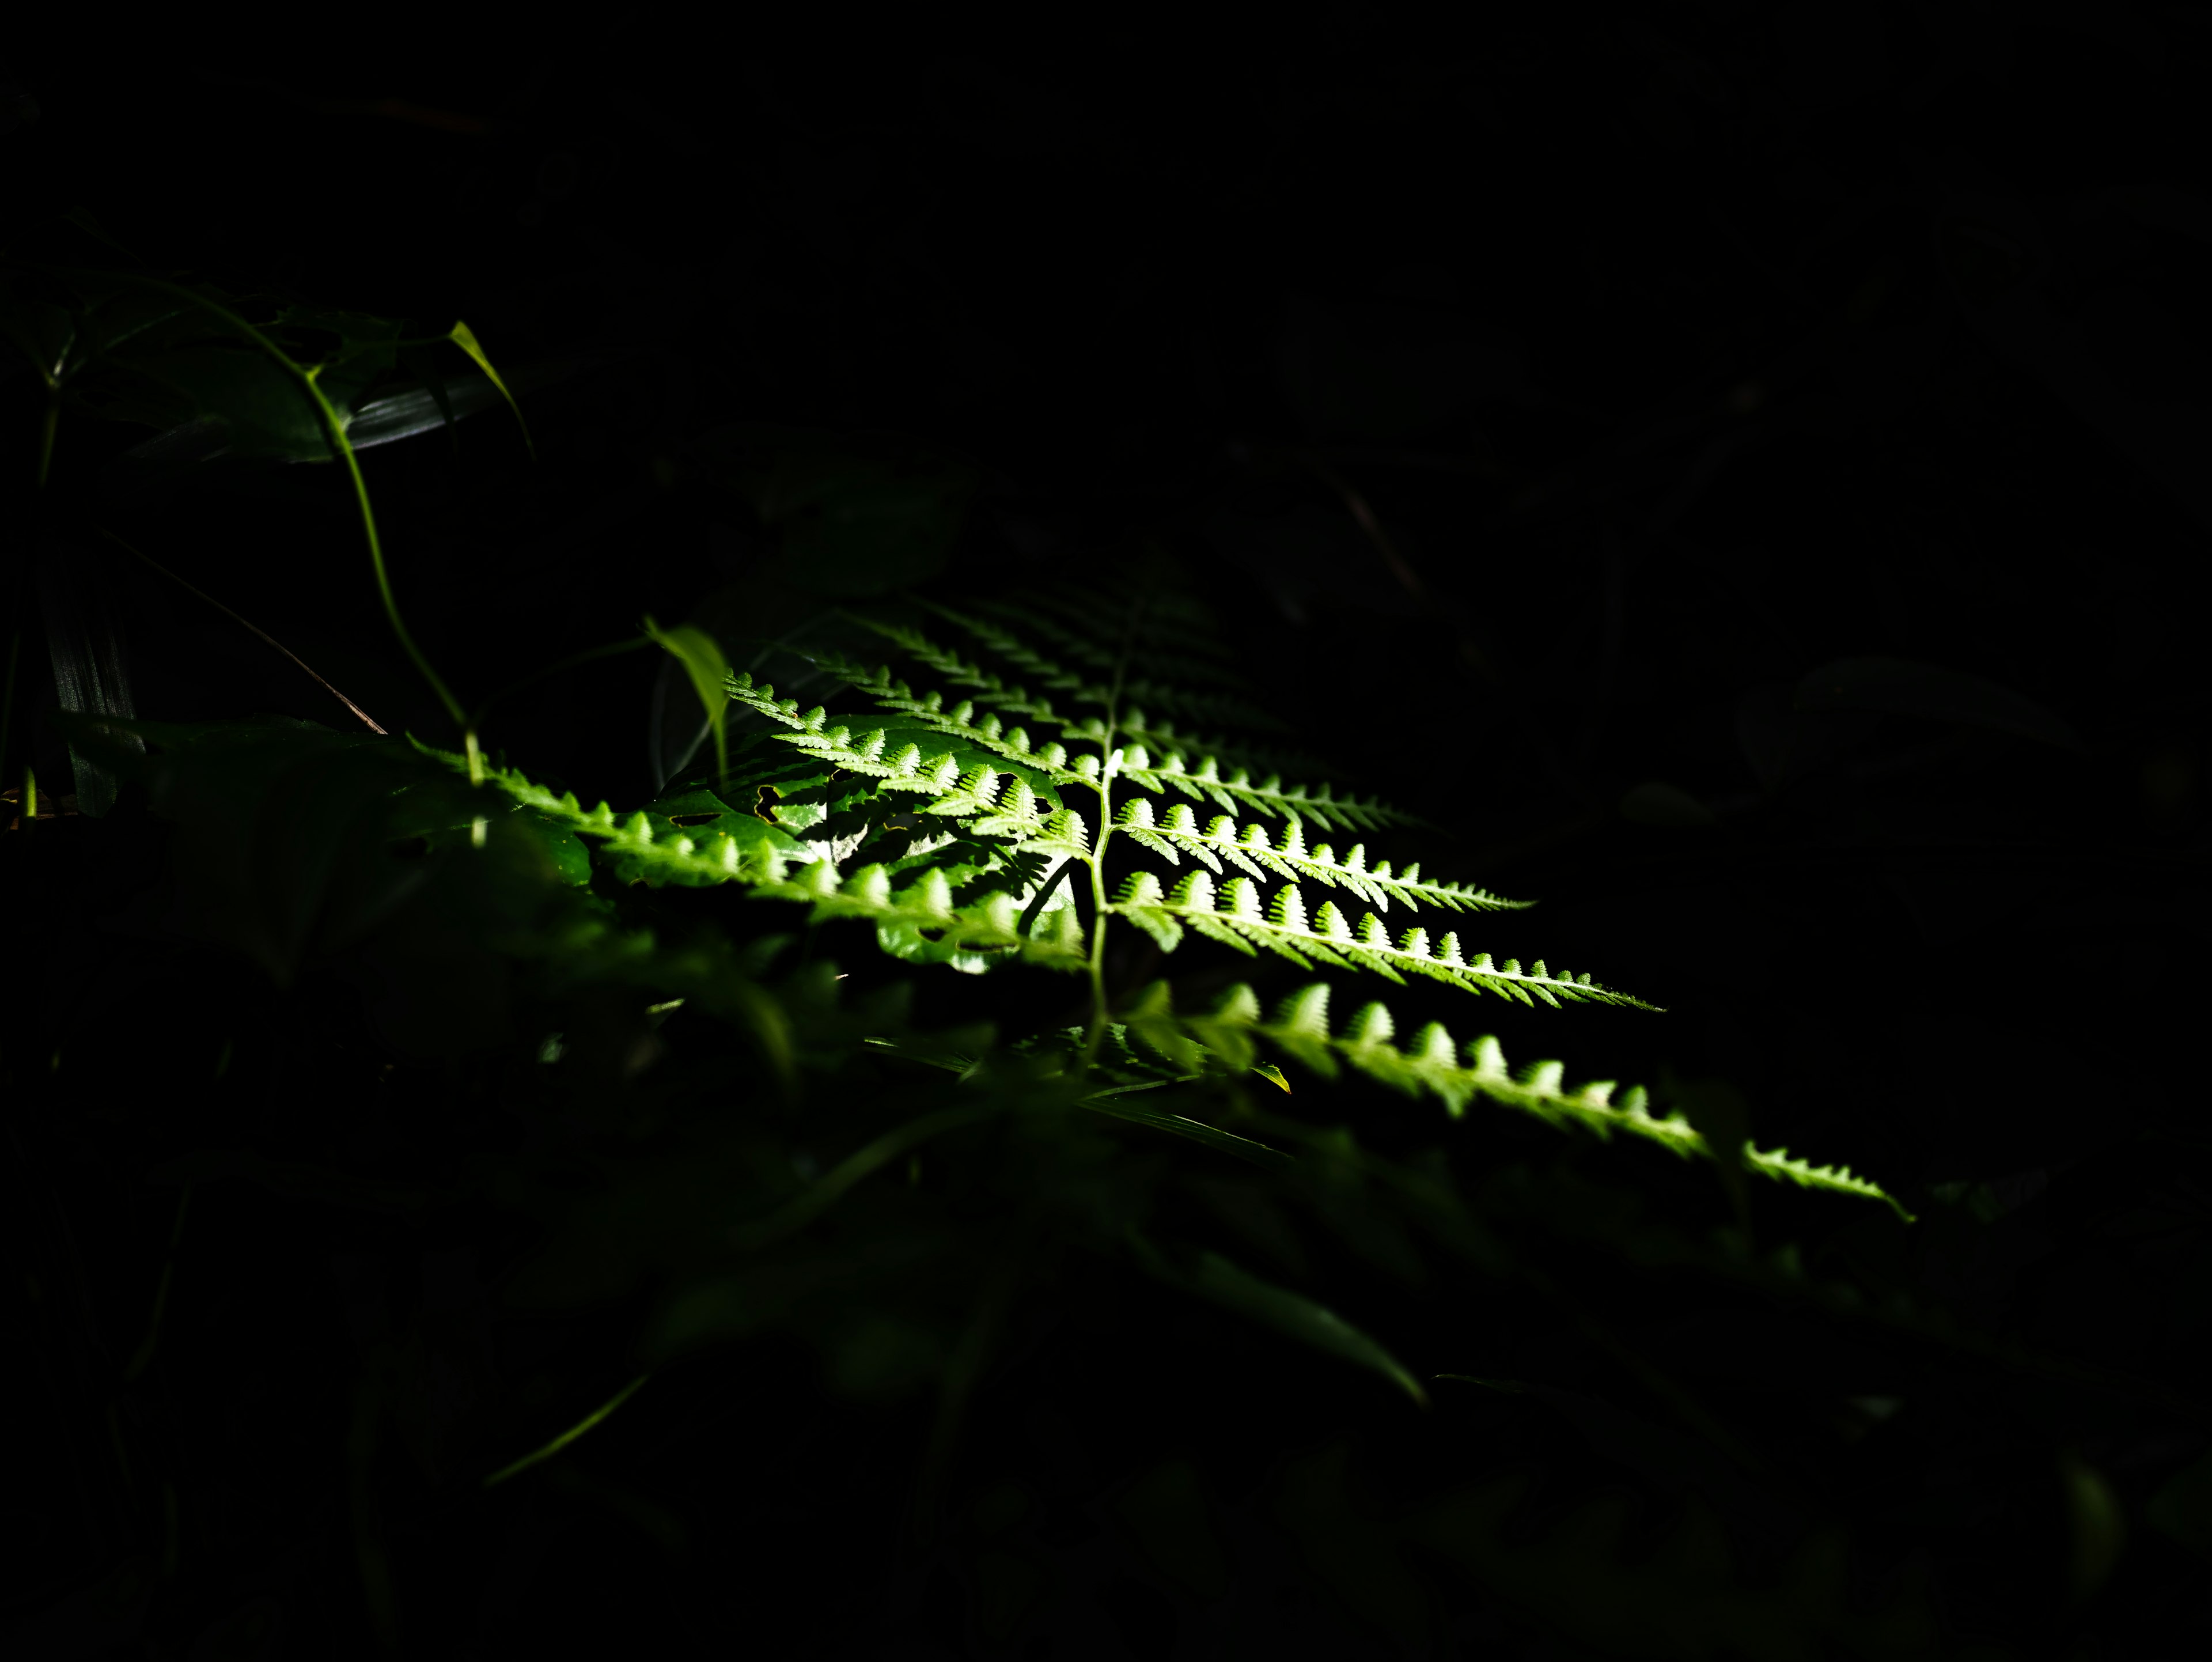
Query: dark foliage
[[1734, 471]]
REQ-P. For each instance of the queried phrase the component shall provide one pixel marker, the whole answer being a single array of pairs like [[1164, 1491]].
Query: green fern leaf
[[878, 745], [987, 688], [1176, 638], [1206, 782], [649, 848], [1016, 700], [922, 919], [1157, 663], [1198, 775], [1431, 1066], [1248, 847], [1237, 919]]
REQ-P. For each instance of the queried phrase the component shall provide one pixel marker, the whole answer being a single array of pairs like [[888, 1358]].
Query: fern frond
[[740, 849], [1016, 700], [1236, 918], [868, 748], [1136, 726], [1432, 1064], [994, 804], [988, 689], [1137, 695], [1206, 782], [1173, 640], [889, 748], [1247, 849], [849, 742], [989, 925], [1136, 689]]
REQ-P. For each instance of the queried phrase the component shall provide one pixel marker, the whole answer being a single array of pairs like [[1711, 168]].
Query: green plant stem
[[568, 1436], [334, 432], [1097, 945], [1109, 752], [820, 1195]]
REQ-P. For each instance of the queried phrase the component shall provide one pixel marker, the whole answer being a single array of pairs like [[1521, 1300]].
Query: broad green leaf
[[702, 658], [269, 416], [1783, 742], [361, 335], [463, 337], [1656, 802], [1895, 687], [1214, 1278], [2100, 1530], [403, 419], [571, 859]]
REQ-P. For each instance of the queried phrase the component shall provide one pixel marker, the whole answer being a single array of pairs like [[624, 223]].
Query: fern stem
[[1100, 911]]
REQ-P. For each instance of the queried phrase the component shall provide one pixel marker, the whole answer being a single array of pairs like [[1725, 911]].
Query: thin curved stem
[[365, 717], [334, 432], [824, 1192]]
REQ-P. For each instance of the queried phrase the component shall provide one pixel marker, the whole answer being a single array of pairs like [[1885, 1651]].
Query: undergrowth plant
[[978, 823], [995, 787]]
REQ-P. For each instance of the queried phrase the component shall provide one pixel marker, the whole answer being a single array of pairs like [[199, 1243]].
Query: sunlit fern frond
[[1236, 917], [1202, 779], [1433, 1065], [1052, 696], [985, 687], [1248, 848], [852, 742], [1136, 725], [1173, 643], [738, 848], [890, 748], [985, 928], [1134, 686]]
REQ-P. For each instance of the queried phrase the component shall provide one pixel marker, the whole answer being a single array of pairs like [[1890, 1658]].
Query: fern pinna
[[1029, 776]]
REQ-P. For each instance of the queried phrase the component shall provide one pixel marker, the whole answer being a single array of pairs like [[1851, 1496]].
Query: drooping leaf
[[702, 658], [1894, 687], [1209, 1275]]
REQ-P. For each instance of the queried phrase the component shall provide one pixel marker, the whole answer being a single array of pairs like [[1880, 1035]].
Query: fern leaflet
[[1235, 918], [1432, 1064]]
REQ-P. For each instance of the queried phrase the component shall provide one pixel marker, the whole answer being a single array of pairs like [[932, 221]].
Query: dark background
[[1673, 352]]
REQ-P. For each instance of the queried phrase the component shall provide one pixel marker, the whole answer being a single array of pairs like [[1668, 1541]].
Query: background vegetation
[[1546, 423]]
